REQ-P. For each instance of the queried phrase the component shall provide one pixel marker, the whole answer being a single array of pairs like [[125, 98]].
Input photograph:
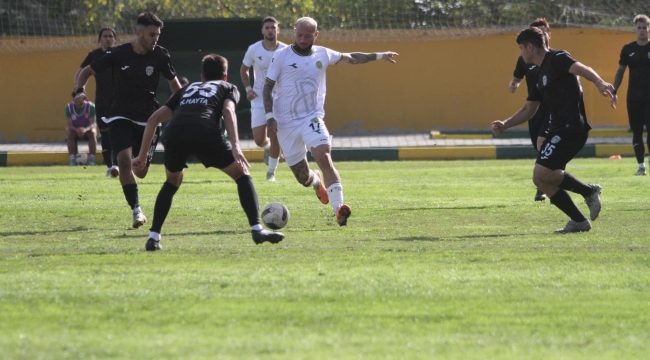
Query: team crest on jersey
[[319, 65], [544, 80], [149, 70], [556, 139]]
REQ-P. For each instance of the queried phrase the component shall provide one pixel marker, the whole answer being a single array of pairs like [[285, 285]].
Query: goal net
[[48, 25]]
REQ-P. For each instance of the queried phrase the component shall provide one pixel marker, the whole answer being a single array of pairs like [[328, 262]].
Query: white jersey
[[300, 83], [259, 58]]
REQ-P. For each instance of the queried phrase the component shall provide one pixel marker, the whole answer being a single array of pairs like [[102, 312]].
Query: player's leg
[[636, 118], [318, 140], [138, 133], [219, 155], [266, 141], [71, 141], [92, 145], [162, 206], [534, 126], [647, 125], [122, 138]]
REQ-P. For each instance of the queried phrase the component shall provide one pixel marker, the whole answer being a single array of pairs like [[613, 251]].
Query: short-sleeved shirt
[[103, 80], [201, 104], [80, 117], [259, 58], [136, 80], [300, 83], [562, 93], [637, 58]]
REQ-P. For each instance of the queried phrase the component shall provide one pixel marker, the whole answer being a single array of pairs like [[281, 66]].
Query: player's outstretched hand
[[513, 85], [239, 157], [250, 95], [613, 101], [498, 127], [606, 89], [389, 55], [139, 163]]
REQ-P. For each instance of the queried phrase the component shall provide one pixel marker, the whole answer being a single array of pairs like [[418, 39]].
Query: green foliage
[[441, 259]]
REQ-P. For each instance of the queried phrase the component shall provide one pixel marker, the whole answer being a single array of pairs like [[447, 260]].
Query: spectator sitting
[[80, 115]]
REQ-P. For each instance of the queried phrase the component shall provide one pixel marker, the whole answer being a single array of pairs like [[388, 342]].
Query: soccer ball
[[82, 159], [275, 215]]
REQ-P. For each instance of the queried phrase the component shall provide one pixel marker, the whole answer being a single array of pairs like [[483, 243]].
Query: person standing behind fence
[[103, 96], [636, 56], [80, 116]]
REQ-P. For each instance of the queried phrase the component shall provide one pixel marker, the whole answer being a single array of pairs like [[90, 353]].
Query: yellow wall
[[455, 84]]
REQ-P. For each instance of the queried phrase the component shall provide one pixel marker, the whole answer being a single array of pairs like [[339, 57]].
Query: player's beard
[[269, 37], [303, 51]]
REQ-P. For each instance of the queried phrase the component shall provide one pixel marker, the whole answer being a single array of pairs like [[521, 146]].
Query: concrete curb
[[43, 158]]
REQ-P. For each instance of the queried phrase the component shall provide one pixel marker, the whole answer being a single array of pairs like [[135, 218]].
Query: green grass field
[[439, 260]]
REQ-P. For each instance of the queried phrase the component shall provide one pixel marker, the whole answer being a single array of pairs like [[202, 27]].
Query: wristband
[[79, 91], [380, 55], [614, 92], [248, 88], [269, 115]]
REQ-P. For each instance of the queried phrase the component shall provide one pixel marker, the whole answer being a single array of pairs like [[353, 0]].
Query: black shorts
[[560, 148], [207, 144], [126, 134], [100, 112], [638, 113], [537, 127]]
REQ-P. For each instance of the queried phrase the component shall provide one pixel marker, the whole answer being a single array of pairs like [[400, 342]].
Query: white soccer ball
[[275, 215], [82, 159]]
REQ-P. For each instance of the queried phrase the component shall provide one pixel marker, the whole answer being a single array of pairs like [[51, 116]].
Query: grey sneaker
[[593, 201], [574, 226], [640, 172], [266, 235], [270, 177], [266, 156], [152, 245], [138, 218]]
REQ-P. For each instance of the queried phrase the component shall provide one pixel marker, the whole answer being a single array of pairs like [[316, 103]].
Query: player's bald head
[[307, 23]]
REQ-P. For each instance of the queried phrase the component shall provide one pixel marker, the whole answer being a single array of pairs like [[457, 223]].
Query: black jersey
[[103, 80], [637, 58], [523, 70], [201, 103], [561, 91], [136, 79]]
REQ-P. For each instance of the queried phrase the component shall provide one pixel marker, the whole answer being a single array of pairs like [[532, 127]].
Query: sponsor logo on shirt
[[259, 57], [293, 65], [149, 70], [124, 67], [632, 54]]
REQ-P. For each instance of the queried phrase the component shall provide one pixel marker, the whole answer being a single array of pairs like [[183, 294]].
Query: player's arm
[[604, 88], [362, 58], [524, 114], [174, 85], [161, 115], [81, 81], [618, 79], [230, 120], [246, 80], [267, 95], [514, 84]]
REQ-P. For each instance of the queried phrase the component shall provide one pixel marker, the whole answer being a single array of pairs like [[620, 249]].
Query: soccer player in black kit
[[136, 68], [195, 130], [636, 55], [103, 95], [538, 124], [558, 86]]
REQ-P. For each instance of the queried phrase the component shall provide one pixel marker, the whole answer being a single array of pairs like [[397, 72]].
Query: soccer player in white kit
[[296, 110], [259, 57]]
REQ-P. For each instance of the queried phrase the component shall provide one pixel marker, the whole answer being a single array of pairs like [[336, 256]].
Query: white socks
[[316, 181], [154, 235], [335, 193], [257, 227], [273, 165]]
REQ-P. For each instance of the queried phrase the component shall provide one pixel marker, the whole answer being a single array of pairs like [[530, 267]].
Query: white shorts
[[296, 140], [258, 116]]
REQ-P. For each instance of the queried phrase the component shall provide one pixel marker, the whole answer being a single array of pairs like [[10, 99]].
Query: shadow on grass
[[431, 238], [140, 235], [44, 232], [489, 236], [416, 238], [454, 208]]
